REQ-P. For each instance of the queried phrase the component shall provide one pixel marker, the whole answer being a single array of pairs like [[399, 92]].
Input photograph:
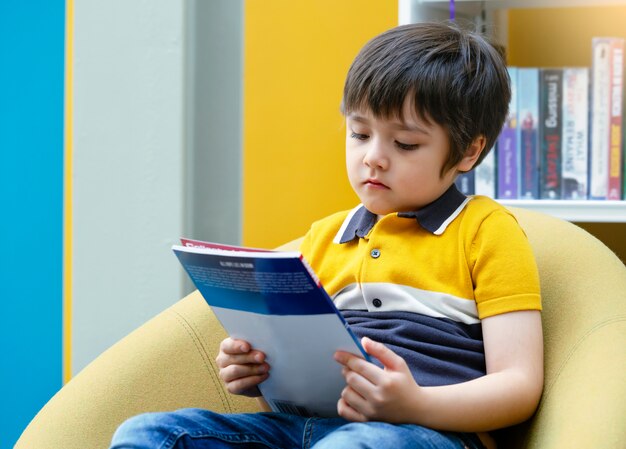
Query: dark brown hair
[[455, 78]]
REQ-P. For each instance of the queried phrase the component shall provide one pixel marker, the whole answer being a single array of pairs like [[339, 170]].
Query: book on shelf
[[485, 175], [600, 119], [615, 140], [481, 180], [550, 138], [528, 106], [465, 182], [508, 147], [575, 133], [564, 134], [273, 300]]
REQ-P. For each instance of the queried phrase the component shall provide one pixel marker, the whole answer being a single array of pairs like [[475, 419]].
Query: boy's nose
[[375, 157]]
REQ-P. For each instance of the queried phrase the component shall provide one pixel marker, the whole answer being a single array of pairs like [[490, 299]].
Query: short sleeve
[[503, 267]]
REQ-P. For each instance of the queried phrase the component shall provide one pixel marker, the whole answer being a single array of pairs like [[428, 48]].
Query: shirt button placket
[[375, 254]]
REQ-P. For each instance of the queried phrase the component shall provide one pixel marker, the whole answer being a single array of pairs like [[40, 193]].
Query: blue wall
[[31, 215]]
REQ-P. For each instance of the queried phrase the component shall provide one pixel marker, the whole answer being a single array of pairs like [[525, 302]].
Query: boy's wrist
[[419, 407]]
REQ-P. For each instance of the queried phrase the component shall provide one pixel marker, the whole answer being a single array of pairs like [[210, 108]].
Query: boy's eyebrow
[[399, 125], [410, 127]]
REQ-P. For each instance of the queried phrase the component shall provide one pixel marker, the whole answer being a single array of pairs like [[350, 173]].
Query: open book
[[273, 300]]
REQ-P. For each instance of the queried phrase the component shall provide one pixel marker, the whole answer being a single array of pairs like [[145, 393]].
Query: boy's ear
[[472, 154]]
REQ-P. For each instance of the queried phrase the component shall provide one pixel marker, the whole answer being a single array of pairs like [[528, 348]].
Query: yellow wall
[[561, 37], [296, 56], [550, 37]]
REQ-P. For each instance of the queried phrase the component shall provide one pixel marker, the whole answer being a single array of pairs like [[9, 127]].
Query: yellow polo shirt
[[420, 282]]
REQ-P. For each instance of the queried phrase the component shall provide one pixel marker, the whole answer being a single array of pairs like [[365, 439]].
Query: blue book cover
[[273, 300], [528, 107], [508, 147]]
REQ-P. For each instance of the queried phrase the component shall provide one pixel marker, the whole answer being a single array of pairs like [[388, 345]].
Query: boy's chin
[[381, 211]]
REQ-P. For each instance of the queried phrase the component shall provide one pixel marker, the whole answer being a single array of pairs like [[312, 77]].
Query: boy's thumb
[[386, 356]]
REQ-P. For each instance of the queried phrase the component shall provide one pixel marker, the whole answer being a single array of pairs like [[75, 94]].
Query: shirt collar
[[434, 217]]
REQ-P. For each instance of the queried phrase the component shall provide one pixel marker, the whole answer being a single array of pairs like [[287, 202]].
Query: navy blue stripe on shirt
[[438, 351]]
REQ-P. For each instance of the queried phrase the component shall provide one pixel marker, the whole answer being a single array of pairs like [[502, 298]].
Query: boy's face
[[395, 166]]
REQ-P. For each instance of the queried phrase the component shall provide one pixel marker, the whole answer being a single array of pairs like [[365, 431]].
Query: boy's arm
[[506, 395]]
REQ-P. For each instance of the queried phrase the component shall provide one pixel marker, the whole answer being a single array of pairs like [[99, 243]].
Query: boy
[[442, 288]]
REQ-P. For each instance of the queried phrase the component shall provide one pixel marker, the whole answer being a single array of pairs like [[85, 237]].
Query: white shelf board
[[520, 4], [585, 211]]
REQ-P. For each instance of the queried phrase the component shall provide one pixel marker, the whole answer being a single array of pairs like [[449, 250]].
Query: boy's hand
[[241, 368], [373, 393]]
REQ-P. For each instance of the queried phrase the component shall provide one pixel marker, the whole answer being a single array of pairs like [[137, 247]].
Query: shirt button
[[375, 253], [377, 302]]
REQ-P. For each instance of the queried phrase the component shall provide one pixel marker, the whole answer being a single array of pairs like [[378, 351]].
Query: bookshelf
[[491, 15], [412, 10], [584, 211]]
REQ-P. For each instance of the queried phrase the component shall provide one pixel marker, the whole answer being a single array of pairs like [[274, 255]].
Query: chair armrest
[[583, 287], [166, 364]]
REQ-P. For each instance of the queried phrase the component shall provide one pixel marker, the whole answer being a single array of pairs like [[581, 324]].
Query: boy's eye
[[358, 136], [407, 146]]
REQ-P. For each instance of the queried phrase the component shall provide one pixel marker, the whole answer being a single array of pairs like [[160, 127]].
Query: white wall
[[215, 80], [128, 167], [135, 145]]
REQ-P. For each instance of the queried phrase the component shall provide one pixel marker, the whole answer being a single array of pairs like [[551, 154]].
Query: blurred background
[[125, 125]]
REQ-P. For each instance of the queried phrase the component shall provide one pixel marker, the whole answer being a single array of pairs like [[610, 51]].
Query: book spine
[[485, 178], [550, 92], [465, 182], [528, 106], [507, 148], [575, 133], [599, 141], [615, 137]]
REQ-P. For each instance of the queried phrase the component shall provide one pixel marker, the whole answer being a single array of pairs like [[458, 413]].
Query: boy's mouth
[[375, 183]]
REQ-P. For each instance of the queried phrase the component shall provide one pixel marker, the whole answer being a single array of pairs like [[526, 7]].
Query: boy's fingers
[[358, 383], [239, 372], [356, 364], [232, 346], [386, 356], [347, 412], [246, 385], [252, 358]]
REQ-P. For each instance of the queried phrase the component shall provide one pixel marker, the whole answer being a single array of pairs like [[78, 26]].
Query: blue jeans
[[199, 429]]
